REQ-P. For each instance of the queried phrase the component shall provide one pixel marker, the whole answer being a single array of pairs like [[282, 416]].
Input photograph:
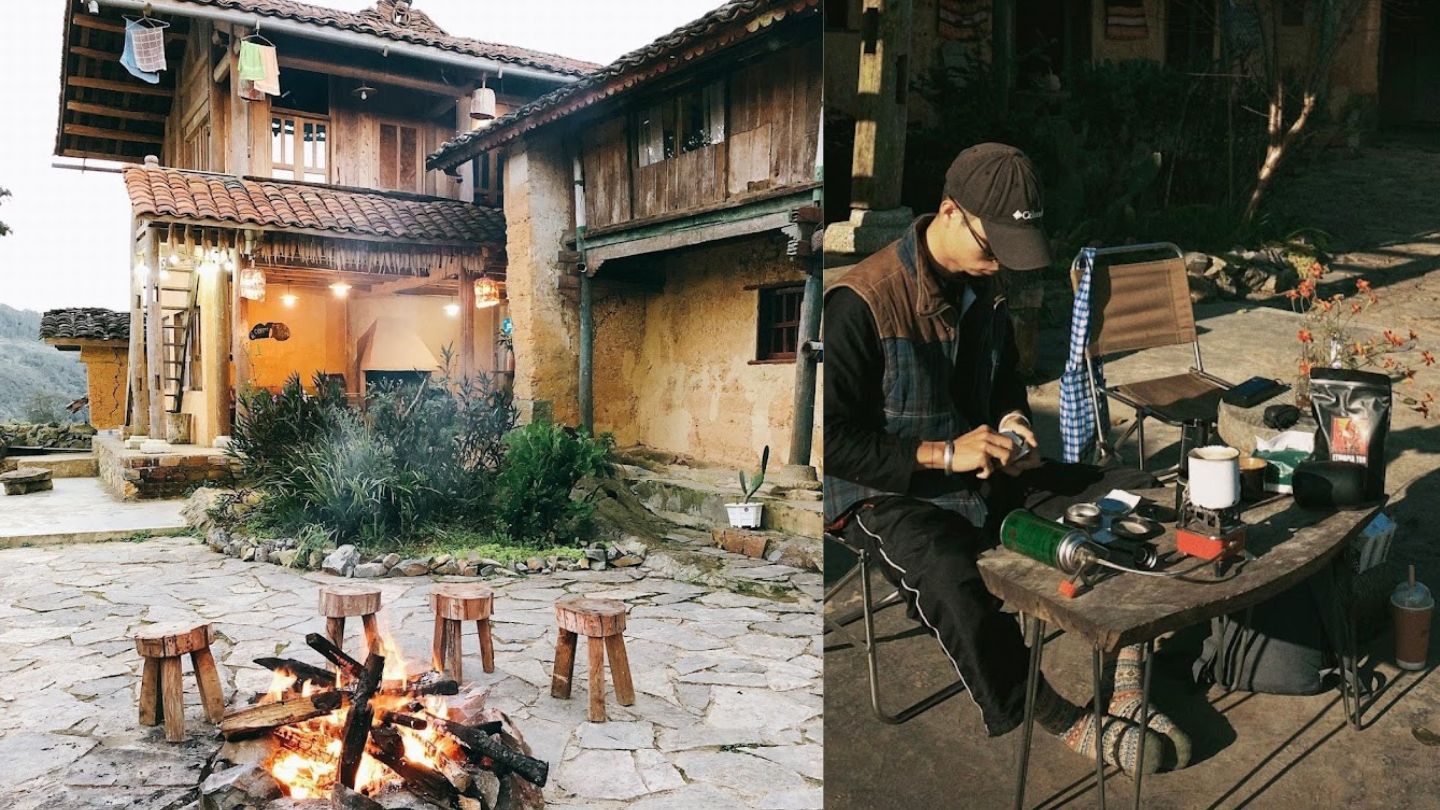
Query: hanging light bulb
[[453, 310], [340, 288], [364, 91], [208, 269], [289, 299], [94, 6], [482, 103], [164, 274], [487, 293], [142, 271]]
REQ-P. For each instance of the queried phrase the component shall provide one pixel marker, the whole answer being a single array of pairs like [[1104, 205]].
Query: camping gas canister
[[1053, 544]]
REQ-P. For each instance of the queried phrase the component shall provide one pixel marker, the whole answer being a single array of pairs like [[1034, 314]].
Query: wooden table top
[[1289, 543]]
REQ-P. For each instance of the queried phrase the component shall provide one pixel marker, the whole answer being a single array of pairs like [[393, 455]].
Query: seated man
[[921, 381]]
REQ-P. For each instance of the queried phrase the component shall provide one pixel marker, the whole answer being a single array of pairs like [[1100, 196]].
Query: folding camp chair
[[867, 611], [1139, 305]]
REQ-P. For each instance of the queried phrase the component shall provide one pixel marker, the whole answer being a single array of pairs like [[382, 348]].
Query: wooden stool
[[340, 601], [454, 604], [161, 694], [602, 622]]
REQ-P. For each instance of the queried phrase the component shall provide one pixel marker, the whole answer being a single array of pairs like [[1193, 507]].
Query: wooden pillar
[[239, 353], [468, 313], [139, 416], [879, 157], [154, 331], [214, 299], [587, 353]]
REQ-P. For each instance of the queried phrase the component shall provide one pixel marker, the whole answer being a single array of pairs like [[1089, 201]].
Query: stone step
[[700, 505], [60, 465]]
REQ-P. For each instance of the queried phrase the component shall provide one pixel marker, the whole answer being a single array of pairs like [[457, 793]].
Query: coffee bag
[[1352, 409]]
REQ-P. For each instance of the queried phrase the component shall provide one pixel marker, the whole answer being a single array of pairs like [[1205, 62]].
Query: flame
[[312, 774]]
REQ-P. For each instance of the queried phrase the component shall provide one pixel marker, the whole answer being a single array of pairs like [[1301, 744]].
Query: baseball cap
[[998, 184]]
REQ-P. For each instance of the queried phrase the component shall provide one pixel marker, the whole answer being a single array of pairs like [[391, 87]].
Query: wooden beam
[[113, 134], [85, 153], [83, 20], [379, 77], [120, 87], [92, 53], [112, 112], [407, 283]]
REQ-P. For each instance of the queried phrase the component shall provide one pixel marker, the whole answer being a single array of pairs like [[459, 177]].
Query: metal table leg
[[1146, 654], [1032, 684], [1099, 660]]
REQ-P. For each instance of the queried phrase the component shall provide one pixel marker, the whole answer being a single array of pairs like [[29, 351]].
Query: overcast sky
[[68, 247]]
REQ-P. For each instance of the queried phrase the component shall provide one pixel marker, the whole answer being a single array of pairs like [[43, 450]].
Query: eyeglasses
[[979, 240]]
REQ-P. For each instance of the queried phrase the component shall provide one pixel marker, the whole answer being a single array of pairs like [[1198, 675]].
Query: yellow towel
[[270, 83]]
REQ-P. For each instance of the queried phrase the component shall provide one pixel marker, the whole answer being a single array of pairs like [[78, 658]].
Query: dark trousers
[[930, 552]]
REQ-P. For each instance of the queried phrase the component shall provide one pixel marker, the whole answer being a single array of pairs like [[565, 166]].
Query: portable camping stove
[[1210, 534]]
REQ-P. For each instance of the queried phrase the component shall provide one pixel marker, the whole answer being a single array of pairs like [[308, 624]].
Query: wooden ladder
[[178, 324]]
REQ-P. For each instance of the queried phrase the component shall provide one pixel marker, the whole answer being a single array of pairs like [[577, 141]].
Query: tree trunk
[[1279, 148]]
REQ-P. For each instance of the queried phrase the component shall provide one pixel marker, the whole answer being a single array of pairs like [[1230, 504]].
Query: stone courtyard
[[728, 708]]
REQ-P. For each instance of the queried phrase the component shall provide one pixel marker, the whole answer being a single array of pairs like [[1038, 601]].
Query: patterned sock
[[1075, 726], [1127, 702]]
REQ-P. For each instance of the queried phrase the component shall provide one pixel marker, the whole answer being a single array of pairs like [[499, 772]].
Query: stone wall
[[675, 370], [539, 195], [133, 475], [53, 435]]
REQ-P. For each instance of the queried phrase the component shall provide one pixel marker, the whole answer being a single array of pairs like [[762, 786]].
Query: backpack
[[1282, 646]]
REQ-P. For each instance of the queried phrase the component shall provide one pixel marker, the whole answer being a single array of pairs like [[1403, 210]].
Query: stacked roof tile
[[590, 89], [420, 30], [85, 323], [162, 192]]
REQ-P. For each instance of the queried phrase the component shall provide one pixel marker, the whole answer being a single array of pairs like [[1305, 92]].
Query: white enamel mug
[[1214, 477]]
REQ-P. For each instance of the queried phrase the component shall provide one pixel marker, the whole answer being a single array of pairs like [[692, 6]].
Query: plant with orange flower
[[1327, 338]]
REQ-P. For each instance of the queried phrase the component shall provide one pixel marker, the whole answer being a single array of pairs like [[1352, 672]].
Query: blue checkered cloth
[[1077, 408]]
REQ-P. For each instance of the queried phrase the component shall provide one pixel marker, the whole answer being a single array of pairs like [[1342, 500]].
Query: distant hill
[[36, 379]]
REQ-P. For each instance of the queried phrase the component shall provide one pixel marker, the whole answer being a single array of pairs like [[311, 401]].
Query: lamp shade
[[482, 104], [252, 283], [487, 293]]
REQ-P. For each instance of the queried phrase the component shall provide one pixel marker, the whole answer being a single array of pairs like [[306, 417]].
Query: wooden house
[[296, 231], [658, 236]]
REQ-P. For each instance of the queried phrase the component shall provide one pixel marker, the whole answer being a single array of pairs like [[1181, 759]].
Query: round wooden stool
[[337, 602], [161, 693], [602, 622], [455, 604]]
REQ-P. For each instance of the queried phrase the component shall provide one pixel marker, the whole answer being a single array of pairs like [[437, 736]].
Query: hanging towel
[[1077, 408], [259, 64], [128, 60], [149, 42]]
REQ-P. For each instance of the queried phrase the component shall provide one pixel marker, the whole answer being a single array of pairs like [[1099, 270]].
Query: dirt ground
[[1257, 751]]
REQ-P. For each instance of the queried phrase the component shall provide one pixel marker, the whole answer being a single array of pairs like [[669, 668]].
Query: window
[[399, 158], [681, 124], [778, 334], [299, 148], [487, 171]]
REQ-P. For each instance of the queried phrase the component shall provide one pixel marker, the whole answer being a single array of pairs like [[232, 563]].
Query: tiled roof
[[85, 323], [421, 30], [694, 39], [162, 192]]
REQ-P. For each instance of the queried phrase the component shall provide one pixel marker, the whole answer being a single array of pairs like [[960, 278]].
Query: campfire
[[364, 728]]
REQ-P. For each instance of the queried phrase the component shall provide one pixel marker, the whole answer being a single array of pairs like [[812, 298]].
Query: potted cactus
[[747, 513]]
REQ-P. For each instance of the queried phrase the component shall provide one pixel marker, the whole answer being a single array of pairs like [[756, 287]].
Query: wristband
[[949, 455]]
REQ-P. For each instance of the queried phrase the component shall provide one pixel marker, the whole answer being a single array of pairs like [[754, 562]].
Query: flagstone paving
[[728, 685]]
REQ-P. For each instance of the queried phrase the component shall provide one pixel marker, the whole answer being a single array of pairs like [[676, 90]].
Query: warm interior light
[[209, 269], [453, 310], [289, 299], [340, 288], [487, 293]]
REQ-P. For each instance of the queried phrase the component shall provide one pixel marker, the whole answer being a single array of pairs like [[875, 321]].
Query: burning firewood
[[422, 685], [429, 784], [482, 744], [299, 670], [264, 717], [335, 655], [359, 719]]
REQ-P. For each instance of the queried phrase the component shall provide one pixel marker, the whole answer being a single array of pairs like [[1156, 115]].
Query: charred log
[[258, 719]]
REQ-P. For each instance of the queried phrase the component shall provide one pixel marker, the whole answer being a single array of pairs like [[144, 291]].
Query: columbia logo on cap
[[1019, 215]]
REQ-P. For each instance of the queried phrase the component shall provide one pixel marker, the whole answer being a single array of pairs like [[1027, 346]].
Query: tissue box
[[1285, 452]]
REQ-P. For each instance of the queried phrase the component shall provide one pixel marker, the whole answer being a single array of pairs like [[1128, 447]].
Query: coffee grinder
[[1209, 526]]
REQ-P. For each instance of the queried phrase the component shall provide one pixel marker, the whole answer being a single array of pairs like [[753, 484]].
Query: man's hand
[[982, 451], [1017, 424]]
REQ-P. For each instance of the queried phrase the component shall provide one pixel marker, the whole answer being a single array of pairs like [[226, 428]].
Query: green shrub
[[543, 465], [273, 432]]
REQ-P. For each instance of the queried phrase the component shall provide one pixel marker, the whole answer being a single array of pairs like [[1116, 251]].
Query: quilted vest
[[918, 331]]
